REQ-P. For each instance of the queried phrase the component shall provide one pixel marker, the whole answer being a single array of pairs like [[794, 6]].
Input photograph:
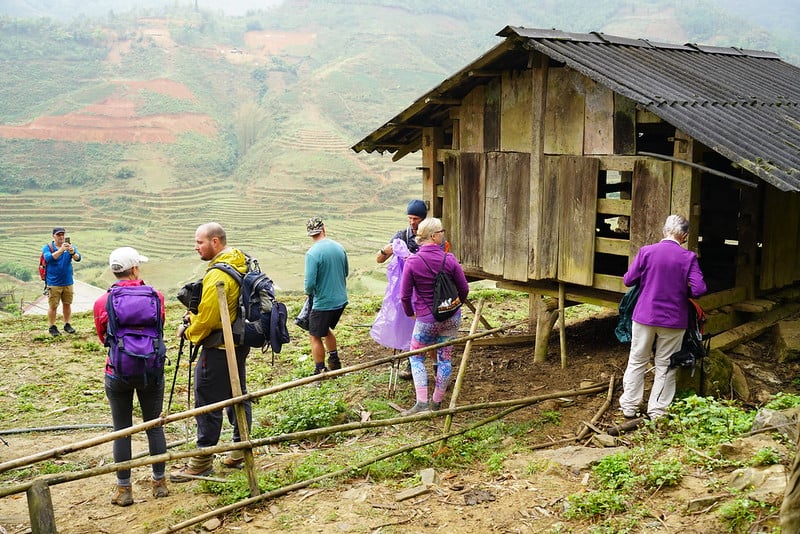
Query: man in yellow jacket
[[211, 378]]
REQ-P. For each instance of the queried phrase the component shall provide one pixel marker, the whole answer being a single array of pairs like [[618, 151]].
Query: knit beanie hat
[[417, 208]]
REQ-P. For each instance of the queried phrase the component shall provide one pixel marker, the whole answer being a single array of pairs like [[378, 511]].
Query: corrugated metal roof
[[743, 104]]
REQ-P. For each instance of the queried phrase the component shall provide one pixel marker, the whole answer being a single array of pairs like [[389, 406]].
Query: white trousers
[[667, 342]]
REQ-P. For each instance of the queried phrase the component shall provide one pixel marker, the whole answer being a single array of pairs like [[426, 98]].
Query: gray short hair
[[675, 226]]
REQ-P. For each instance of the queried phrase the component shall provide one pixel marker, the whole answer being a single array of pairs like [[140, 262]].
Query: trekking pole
[[394, 372], [175, 375]]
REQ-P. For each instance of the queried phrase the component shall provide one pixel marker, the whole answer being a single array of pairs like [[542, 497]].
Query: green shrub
[[741, 513], [304, 409]]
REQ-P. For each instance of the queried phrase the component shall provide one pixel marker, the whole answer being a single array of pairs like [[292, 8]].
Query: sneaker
[[436, 406], [160, 488], [54, 331], [68, 328], [123, 496], [419, 407], [189, 473], [334, 363], [405, 374]]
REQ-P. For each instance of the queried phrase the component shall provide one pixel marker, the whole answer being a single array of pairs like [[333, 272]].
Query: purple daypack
[[135, 332]]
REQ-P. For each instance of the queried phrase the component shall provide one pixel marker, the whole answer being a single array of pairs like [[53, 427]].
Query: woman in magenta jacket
[[416, 295], [668, 275]]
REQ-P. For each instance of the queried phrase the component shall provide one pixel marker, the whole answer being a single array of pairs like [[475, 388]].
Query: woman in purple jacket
[[416, 295], [668, 275]]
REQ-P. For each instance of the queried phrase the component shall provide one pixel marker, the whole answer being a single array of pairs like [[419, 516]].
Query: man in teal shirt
[[326, 271]]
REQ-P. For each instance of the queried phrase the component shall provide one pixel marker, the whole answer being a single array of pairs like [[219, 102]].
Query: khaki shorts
[[60, 294]]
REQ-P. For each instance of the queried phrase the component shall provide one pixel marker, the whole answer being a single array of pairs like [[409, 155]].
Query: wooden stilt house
[[555, 156]]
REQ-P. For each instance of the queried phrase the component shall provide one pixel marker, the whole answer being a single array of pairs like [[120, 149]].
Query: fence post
[[40, 508], [236, 389]]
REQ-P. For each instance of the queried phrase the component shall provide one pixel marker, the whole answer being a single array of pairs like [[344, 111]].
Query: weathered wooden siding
[[650, 202], [471, 194], [494, 232], [515, 114], [624, 125], [780, 262], [517, 170], [577, 212], [546, 255], [598, 136], [471, 121], [451, 200], [491, 116], [565, 114]]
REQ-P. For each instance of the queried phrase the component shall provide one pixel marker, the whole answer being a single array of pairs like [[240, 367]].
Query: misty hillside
[[137, 121]]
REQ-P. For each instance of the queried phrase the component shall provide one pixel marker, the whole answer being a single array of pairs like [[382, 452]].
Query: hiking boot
[[54, 331], [68, 328], [436, 406], [178, 476], [334, 363], [123, 496], [160, 488], [233, 463], [405, 374], [419, 407]]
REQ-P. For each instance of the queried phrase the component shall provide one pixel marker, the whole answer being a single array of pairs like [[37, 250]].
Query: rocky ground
[[527, 494]]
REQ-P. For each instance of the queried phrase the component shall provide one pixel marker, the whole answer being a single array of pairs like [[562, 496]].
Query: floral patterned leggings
[[426, 334]]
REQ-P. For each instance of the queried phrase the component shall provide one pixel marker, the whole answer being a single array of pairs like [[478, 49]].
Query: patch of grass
[[739, 514], [595, 503]]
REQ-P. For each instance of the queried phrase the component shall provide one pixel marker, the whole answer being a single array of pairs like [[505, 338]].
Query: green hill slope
[[135, 127]]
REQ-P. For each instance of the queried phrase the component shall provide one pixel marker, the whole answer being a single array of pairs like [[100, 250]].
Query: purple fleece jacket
[[668, 276], [416, 286]]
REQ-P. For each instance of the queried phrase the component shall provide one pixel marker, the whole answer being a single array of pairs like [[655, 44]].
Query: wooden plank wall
[[598, 135], [780, 263], [450, 207], [650, 202], [624, 125], [471, 121], [545, 263], [494, 230], [517, 169], [471, 194], [577, 201], [515, 106], [491, 116], [565, 114]]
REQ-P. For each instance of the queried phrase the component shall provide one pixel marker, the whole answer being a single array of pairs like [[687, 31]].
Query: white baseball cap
[[124, 258]]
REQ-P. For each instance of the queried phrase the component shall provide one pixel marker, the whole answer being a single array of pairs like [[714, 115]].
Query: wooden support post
[[462, 367], [483, 320], [236, 388], [40, 508], [562, 334], [546, 315]]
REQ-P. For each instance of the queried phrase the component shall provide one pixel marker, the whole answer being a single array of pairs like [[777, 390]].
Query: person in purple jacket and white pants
[[416, 296], [668, 275]]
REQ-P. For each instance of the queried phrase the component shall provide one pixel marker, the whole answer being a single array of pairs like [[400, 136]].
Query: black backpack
[[446, 301], [696, 344], [261, 320]]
